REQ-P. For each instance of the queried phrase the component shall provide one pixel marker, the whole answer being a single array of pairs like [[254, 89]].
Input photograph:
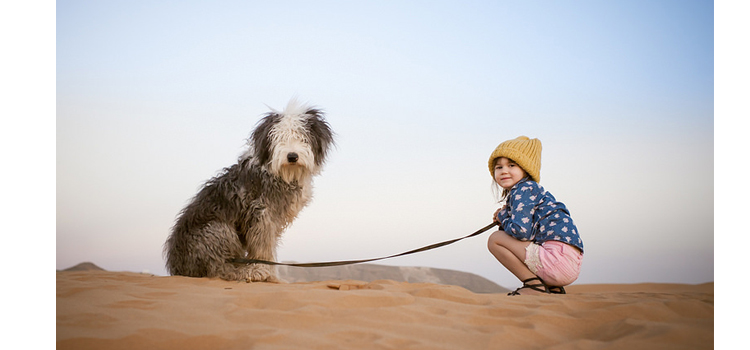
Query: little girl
[[538, 242]]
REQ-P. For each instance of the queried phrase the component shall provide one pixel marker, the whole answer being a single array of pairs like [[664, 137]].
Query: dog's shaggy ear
[[324, 135], [261, 138]]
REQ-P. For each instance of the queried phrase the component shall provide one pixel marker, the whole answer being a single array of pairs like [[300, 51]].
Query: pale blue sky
[[154, 98]]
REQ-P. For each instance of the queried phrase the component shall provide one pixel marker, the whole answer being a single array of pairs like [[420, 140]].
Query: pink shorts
[[556, 263]]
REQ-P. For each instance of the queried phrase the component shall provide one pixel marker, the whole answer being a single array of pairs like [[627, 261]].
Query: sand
[[124, 310]]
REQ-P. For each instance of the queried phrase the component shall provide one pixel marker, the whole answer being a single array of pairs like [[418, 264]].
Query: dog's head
[[292, 144]]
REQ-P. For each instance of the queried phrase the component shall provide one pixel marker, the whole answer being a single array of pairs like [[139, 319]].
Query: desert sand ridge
[[374, 272]]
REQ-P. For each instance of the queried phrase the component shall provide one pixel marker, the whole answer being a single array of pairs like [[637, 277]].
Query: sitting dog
[[241, 213]]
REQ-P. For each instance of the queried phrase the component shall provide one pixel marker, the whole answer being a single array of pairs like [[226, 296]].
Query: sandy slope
[[122, 310]]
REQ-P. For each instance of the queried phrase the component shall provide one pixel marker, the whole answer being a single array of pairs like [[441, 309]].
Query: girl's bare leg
[[511, 253]]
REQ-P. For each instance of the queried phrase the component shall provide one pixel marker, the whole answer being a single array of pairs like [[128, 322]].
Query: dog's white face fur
[[289, 138], [291, 144]]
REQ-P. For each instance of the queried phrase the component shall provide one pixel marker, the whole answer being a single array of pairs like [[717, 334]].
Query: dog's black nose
[[292, 157]]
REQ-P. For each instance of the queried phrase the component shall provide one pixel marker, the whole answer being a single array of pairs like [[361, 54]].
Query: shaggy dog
[[241, 213]]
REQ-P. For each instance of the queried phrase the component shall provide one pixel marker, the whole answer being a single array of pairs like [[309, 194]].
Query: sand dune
[[121, 310], [373, 272]]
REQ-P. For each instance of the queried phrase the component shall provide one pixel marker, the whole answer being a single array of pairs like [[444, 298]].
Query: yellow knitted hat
[[526, 152]]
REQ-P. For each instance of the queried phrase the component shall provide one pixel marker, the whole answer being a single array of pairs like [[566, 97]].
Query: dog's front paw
[[262, 273]]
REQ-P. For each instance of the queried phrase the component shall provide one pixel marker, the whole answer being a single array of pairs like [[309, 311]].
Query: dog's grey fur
[[242, 212]]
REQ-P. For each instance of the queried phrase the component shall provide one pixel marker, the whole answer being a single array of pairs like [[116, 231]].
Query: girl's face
[[507, 173]]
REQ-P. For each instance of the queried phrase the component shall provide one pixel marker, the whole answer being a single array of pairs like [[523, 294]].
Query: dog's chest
[[275, 210], [294, 204]]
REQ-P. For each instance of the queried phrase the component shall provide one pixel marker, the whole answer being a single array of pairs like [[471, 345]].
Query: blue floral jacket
[[533, 214]]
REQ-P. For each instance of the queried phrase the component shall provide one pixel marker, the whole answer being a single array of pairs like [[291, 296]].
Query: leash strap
[[351, 262]]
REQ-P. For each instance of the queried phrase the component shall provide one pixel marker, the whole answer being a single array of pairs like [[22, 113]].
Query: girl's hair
[[500, 193]]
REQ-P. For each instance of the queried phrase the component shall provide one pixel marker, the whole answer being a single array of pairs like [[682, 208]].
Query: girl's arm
[[516, 217]]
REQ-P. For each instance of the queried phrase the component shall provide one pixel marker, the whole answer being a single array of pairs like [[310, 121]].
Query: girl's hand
[[494, 217]]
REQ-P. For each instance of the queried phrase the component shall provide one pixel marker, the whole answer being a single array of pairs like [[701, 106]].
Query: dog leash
[[351, 262]]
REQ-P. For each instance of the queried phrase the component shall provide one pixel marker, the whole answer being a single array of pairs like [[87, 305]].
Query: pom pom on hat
[[526, 152]]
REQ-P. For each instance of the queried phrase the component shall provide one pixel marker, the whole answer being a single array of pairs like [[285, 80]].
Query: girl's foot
[[535, 287]]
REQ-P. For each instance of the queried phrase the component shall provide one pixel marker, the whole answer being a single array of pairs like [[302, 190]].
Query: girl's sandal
[[556, 289], [540, 287]]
